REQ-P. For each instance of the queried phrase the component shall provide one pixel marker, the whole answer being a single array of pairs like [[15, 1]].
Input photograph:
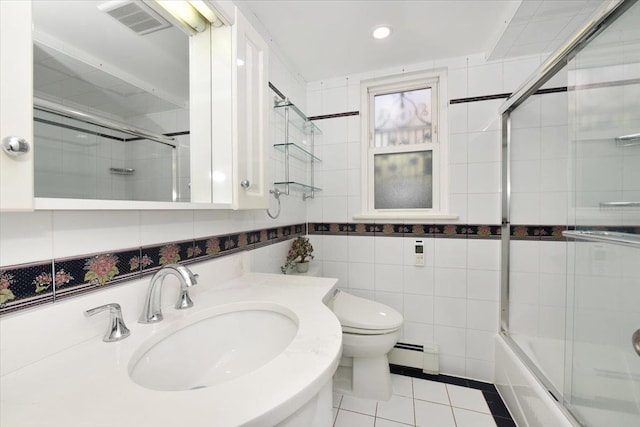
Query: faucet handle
[[184, 300], [117, 329]]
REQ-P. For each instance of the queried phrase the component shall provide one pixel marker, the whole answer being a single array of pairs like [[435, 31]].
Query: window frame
[[437, 81]]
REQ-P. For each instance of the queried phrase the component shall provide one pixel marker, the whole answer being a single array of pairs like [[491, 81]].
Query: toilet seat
[[365, 317]]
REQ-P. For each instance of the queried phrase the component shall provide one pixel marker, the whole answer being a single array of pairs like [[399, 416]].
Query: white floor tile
[[467, 398], [431, 391], [401, 385], [355, 404], [430, 414], [398, 408], [466, 418], [353, 419], [337, 398], [381, 422], [433, 404]]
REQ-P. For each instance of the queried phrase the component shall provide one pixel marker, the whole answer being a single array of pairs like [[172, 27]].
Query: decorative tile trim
[[335, 115], [538, 232], [89, 272], [524, 232], [484, 232], [154, 257], [26, 285], [504, 95], [451, 231], [480, 98]]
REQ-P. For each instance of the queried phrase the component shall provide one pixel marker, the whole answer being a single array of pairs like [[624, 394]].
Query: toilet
[[369, 331]]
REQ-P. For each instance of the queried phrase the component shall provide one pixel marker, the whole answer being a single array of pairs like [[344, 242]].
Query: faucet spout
[[152, 312]]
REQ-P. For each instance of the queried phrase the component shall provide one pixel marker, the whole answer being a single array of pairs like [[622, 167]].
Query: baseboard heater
[[414, 355]]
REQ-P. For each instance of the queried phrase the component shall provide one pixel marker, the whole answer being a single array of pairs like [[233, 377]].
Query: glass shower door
[[602, 382]]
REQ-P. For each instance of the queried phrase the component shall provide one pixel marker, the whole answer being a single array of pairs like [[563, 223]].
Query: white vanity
[[89, 383]]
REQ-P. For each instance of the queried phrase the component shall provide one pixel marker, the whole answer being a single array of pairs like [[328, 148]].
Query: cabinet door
[[16, 104], [251, 85]]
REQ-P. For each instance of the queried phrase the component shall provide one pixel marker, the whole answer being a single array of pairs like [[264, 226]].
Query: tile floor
[[424, 403]]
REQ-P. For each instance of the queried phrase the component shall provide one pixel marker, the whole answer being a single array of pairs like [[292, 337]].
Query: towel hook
[[276, 193]]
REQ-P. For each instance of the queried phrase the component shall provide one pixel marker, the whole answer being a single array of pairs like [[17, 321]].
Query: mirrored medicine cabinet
[[124, 98]]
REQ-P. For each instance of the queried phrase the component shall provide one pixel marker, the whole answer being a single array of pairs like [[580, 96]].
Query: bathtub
[[529, 402], [604, 388]]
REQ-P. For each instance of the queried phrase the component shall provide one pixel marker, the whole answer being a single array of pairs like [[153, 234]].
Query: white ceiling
[[540, 26], [321, 38], [329, 38], [333, 38]]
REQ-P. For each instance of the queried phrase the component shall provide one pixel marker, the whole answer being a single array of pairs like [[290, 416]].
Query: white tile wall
[[451, 301], [458, 286]]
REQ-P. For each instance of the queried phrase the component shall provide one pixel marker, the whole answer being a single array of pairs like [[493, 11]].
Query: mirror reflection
[[111, 102]]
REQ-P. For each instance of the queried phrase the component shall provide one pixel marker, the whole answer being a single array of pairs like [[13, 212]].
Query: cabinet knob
[[15, 146], [245, 183]]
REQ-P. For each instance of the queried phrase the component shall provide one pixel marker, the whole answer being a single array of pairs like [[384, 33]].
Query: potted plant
[[299, 255]]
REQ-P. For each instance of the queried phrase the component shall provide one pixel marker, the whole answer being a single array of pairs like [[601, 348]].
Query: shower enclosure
[[571, 221], [85, 156]]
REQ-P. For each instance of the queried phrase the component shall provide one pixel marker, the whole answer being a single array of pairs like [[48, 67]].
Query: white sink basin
[[214, 349]]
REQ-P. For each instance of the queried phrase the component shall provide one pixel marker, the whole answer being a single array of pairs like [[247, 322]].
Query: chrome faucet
[[152, 312], [117, 329]]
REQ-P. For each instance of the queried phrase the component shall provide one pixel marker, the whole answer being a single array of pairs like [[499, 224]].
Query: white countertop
[[88, 384]]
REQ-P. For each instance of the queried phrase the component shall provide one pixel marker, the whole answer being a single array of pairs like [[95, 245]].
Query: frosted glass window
[[403, 171], [403, 118], [403, 180]]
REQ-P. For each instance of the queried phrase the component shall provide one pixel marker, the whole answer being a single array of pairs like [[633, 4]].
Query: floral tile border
[[538, 232], [94, 271], [456, 231], [337, 229], [552, 232], [26, 285], [154, 257], [449, 231], [484, 232], [524, 232], [390, 230]]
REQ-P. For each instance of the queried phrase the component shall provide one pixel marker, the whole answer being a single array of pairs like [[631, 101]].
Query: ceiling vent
[[135, 15]]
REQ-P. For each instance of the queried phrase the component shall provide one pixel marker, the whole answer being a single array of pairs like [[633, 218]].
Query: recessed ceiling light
[[381, 32]]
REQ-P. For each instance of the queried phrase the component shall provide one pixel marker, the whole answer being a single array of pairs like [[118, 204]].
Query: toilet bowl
[[369, 331]]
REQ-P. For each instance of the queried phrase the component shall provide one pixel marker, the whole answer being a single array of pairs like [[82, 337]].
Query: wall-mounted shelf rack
[[299, 139], [300, 153], [297, 186]]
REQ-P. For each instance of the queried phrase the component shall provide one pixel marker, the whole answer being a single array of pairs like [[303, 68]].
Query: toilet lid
[[361, 313]]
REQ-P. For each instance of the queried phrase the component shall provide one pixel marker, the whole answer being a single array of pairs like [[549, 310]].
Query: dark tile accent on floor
[[504, 422], [497, 407]]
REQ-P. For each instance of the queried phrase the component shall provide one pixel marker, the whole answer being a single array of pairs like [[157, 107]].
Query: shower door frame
[[604, 17]]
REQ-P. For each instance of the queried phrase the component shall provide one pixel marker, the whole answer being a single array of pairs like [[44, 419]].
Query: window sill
[[404, 217]]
